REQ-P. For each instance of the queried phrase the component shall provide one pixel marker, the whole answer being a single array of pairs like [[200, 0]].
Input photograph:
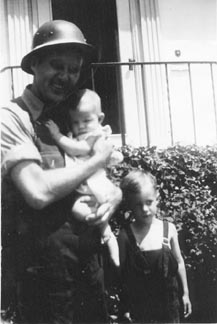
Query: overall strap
[[165, 248], [165, 233], [131, 237], [52, 156], [22, 105], [141, 257], [19, 101]]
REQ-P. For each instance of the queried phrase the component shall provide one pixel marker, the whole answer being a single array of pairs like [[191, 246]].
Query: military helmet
[[58, 33]]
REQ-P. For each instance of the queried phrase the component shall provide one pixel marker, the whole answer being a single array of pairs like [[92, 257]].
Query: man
[[40, 270]]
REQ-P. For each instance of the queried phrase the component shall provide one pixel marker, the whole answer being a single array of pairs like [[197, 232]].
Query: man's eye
[[59, 66], [74, 70], [56, 65]]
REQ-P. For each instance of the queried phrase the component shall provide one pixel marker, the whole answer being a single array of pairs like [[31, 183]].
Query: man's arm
[[41, 187]]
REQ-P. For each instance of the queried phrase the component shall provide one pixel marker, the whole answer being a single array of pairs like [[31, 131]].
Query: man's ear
[[101, 117]]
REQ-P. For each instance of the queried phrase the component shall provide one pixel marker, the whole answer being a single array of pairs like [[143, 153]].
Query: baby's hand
[[116, 157], [92, 139], [53, 128]]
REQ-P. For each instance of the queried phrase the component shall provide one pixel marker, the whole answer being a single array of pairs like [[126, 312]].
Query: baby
[[86, 119]]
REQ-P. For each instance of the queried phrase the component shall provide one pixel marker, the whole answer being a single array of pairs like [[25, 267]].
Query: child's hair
[[133, 182], [84, 95]]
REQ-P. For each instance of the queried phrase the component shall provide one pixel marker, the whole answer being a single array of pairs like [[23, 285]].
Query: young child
[[150, 257], [86, 118]]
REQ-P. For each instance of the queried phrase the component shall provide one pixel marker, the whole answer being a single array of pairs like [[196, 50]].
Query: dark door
[[98, 21]]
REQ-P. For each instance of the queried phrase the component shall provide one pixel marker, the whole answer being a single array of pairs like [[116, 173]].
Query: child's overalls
[[150, 287]]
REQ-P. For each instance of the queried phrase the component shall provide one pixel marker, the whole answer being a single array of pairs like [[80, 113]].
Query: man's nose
[[64, 74]]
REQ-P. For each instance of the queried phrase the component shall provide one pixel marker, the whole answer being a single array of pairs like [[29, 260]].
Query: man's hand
[[84, 206], [106, 210]]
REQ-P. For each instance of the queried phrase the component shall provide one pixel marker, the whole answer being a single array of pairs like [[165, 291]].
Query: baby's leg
[[83, 207], [110, 240]]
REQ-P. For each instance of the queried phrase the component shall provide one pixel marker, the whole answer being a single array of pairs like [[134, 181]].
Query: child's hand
[[186, 305], [53, 128], [126, 318]]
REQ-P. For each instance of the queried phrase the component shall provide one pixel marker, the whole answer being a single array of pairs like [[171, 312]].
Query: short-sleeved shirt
[[17, 132]]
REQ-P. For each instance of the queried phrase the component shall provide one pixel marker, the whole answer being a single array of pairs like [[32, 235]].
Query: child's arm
[[181, 270], [70, 146], [108, 238]]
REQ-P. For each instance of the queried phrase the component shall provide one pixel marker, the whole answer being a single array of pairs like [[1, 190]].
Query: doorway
[[98, 21]]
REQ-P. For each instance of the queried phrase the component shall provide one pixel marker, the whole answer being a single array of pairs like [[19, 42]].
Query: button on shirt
[[17, 132]]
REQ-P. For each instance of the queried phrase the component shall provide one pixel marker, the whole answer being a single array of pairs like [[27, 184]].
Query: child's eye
[[139, 205], [75, 122]]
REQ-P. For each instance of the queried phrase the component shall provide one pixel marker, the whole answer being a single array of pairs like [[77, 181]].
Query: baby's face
[[84, 120]]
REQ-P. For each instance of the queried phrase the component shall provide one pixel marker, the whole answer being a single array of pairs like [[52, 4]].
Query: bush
[[187, 181]]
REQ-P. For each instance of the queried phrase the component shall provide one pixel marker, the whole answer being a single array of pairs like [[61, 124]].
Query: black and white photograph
[[108, 161]]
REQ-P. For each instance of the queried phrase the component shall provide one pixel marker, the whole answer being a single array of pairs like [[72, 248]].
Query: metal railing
[[166, 66]]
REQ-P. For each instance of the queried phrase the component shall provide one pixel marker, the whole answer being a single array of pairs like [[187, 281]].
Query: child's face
[[144, 204], [84, 120]]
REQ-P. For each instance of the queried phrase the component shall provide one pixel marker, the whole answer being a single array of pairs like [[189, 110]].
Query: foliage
[[187, 182]]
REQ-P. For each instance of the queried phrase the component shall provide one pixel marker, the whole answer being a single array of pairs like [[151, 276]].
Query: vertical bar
[[145, 105], [12, 82], [121, 107], [213, 94], [192, 103], [169, 104], [92, 78]]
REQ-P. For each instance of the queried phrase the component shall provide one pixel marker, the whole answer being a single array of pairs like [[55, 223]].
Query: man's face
[[55, 75]]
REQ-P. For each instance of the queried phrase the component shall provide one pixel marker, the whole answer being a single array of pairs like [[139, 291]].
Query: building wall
[[188, 33], [189, 26], [169, 30]]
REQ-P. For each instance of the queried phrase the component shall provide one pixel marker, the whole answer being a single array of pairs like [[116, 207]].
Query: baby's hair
[[83, 95], [133, 182]]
